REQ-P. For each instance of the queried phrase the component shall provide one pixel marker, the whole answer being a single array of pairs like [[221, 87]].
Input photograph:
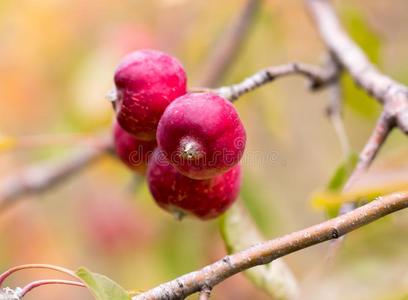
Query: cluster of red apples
[[188, 144]]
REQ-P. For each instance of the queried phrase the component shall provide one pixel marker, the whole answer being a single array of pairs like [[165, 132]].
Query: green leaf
[[358, 100], [342, 173], [359, 29], [101, 287], [239, 232], [338, 180], [357, 26], [334, 187]]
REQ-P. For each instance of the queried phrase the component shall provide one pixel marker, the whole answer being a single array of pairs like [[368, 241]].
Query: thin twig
[[380, 133], [205, 294], [35, 284], [335, 114], [220, 59], [13, 270], [268, 251], [319, 77]]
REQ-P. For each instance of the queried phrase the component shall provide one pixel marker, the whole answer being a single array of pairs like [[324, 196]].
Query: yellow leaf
[[326, 199]]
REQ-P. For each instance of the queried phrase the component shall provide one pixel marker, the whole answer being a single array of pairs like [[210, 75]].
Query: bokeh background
[[57, 59]]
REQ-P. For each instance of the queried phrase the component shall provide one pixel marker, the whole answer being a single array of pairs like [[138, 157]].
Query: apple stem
[[179, 215]]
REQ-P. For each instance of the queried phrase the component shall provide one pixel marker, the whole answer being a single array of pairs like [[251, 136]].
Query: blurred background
[[57, 59]]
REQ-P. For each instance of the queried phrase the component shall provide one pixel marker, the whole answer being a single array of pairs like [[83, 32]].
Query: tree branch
[[268, 251], [376, 140], [219, 60], [392, 94], [319, 77], [41, 177]]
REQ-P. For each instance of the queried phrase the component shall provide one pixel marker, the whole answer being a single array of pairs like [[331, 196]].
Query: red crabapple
[[201, 135], [181, 195], [146, 82], [133, 152]]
